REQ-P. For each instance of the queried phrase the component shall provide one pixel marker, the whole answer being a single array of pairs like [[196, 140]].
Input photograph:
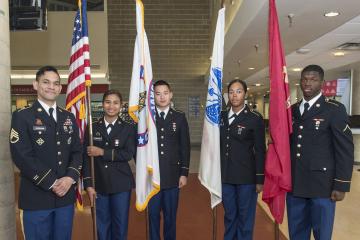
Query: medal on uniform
[[71, 129], [174, 126], [69, 141], [317, 122], [68, 122], [68, 126], [116, 143], [240, 128]]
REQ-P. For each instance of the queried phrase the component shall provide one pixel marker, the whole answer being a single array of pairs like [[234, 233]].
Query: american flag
[[79, 77]]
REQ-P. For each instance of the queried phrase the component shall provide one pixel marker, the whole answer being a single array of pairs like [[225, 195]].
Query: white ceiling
[[309, 29]]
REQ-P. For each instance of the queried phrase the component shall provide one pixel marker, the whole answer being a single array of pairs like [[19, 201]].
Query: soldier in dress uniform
[[322, 156], [45, 146], [114, 146], [242, 140], [174, 159]]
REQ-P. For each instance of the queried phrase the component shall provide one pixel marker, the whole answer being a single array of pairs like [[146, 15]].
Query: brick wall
[[178, 32]]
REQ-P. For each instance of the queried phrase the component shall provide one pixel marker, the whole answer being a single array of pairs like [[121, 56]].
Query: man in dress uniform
[[45, 146], [322, 156], [242, 141], [174, 158]]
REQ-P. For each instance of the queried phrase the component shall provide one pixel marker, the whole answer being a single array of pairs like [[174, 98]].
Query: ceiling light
[[339, 54], [248, 88], [257, 84], [296, 69], [303, 50], [331, 14], [251, 68], [236, 78], [297, 84], [62, 76]]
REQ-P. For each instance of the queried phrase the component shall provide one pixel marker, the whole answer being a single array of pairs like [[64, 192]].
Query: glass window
[[71, 5]]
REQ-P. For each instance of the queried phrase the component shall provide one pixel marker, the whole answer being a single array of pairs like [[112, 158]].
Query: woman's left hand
[[93, 151]]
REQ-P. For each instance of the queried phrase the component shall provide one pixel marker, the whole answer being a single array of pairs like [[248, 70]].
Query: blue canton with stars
[[80, 25]]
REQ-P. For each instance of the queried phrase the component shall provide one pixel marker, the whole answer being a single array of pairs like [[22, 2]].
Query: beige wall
[[52, 47], [178, 32]]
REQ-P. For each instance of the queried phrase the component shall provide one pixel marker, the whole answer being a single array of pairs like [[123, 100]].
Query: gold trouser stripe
[[22, 222]]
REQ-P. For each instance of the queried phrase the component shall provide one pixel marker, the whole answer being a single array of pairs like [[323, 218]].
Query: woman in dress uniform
[[242, 137], [114, 146]]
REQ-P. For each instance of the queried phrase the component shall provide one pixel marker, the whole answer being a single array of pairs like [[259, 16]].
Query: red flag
[[278, 163]]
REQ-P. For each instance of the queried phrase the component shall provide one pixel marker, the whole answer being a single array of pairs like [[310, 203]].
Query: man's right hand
[[92, 195]]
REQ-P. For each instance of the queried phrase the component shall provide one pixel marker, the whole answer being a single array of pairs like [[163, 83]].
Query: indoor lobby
[[35, 33]]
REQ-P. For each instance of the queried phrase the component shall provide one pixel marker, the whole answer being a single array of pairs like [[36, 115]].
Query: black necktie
[[51, 111], [306, 108], [232, 116], [162, 115], [109, 128]]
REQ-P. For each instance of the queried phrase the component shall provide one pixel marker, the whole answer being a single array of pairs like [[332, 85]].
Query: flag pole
[[147, 223], [214, 218], [214, 210], [91, 143], [277, 235]]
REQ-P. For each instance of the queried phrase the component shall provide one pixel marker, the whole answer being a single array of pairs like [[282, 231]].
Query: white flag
[[142, 110], [210, 169]]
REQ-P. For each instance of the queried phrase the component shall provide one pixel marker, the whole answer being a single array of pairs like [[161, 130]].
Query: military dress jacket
[[112, 170], [322, 150], [242, 148], [174, 147], [44, 150]]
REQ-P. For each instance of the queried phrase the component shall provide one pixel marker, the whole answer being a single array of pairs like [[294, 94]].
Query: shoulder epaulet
[[332, 101], [256, 113], [23, 108], [125, 117], [63, 109], [177, 110]]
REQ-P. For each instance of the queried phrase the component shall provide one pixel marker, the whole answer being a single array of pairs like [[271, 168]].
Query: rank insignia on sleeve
[[40, 141], [14, 136], [116, 142], [346, 128]]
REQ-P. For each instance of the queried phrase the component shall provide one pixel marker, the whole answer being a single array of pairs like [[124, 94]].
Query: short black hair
[[162, 83], [44, 69], [112, 92], [314, 68], [243, 83]]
